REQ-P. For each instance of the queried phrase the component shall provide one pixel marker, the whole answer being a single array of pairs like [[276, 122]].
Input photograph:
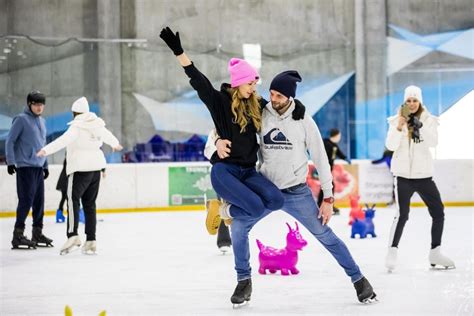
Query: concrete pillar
[[370, 63], [109, 65]]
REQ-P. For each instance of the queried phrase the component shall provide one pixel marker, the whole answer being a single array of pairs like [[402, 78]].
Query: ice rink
[[165, 263]]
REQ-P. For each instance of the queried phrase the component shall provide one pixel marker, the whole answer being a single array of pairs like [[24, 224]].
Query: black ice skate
[[20, 241], [365, 292], [39, 239], [224, 241], [242, 293]]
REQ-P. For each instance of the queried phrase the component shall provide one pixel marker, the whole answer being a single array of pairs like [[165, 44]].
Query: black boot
[[39, 239], [365, 292], [20, 241], [335, 211], [242, 292]]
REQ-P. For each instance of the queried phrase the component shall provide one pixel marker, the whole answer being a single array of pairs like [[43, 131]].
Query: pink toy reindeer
[[282, 259], [356, 210]]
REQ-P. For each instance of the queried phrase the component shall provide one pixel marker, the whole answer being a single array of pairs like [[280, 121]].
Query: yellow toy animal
[[68, 312]]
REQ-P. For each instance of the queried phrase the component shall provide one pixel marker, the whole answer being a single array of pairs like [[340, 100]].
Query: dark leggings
[[426, 188], [63, 199]]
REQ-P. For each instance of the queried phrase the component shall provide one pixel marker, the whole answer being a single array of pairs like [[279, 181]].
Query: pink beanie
[[241, 72]]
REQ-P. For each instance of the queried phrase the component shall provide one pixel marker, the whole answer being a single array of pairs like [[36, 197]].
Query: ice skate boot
[[20, 241], [90, 247], [335, 211], [213, 218], [224, 241], [71, 244], [440, 261], [242, 293], [365, 292], [391, 259], [39, 239], [59, 216]]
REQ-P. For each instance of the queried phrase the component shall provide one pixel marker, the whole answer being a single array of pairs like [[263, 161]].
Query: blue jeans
[[300, 204], [248, 192]]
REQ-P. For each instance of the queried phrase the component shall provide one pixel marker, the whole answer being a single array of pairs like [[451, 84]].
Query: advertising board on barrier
[[188, 185]]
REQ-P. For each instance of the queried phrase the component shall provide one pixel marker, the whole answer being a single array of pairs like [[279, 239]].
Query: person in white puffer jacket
[[412, 132], [85, 160]]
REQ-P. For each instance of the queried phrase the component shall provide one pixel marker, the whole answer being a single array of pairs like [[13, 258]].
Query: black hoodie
[[244, 145]]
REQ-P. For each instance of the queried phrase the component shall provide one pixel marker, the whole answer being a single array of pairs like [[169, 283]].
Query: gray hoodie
[[284, 144], [26, 137]]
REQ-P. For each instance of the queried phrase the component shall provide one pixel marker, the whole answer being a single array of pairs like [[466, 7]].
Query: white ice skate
[[90, 247], [440, 261], [71, 244], [391, 259], [224, 249]]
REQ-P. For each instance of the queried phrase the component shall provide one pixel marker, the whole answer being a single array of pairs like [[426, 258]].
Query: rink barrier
[[161, 187], [198, 208]]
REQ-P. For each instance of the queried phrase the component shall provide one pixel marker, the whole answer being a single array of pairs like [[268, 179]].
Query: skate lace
[[241, 286]]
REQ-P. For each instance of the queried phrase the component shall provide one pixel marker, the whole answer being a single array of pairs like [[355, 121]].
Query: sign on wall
[[189, 185]]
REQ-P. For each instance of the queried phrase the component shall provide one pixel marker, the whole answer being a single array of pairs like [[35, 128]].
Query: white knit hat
[[80, 105], [413, 92]]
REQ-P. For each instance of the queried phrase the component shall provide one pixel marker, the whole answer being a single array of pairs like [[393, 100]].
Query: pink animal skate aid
[[285, 259]]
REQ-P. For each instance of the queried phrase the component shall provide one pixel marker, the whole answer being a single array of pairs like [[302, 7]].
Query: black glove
[[298, 112], [46, 173], [11, 169], [172, 40]]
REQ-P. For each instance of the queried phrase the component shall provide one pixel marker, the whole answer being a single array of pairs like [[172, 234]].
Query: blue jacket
[[25, 138]]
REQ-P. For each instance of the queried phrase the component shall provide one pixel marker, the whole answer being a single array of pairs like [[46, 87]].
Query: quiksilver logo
[[275, 137]]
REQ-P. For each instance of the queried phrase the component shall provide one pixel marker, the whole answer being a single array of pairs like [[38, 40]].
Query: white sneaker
[[225, 213], [438, 259], [224, 210], [70, 244], [391, 259], [90, 247]]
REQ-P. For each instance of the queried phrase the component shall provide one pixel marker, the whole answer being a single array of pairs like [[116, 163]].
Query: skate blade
[[89, 253], [238, 306], [224, 250], [371, 300], [440, 267], [24, 248], [64, 252], [43, 245]]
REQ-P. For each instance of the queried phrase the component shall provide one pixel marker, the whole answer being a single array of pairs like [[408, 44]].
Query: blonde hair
[[245, 109]]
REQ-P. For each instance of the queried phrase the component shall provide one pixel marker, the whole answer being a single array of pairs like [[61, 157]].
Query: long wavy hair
[[246, 109]]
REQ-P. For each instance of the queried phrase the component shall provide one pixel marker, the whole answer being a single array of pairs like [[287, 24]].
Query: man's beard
[[279, 106]]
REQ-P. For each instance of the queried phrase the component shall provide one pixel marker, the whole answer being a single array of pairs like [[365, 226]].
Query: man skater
[[284, 143], [26, 136]]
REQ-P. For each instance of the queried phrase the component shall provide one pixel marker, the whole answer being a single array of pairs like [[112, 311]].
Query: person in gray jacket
[[26, 136], [284, 144]]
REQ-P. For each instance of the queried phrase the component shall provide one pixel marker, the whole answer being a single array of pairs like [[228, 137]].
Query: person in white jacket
[[85, 160], [284, 144], [412, 132]]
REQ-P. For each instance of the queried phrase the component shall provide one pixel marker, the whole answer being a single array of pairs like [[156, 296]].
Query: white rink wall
[[146, 186]]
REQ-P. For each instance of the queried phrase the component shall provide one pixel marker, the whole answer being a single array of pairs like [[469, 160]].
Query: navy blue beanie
[[285, 83]]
